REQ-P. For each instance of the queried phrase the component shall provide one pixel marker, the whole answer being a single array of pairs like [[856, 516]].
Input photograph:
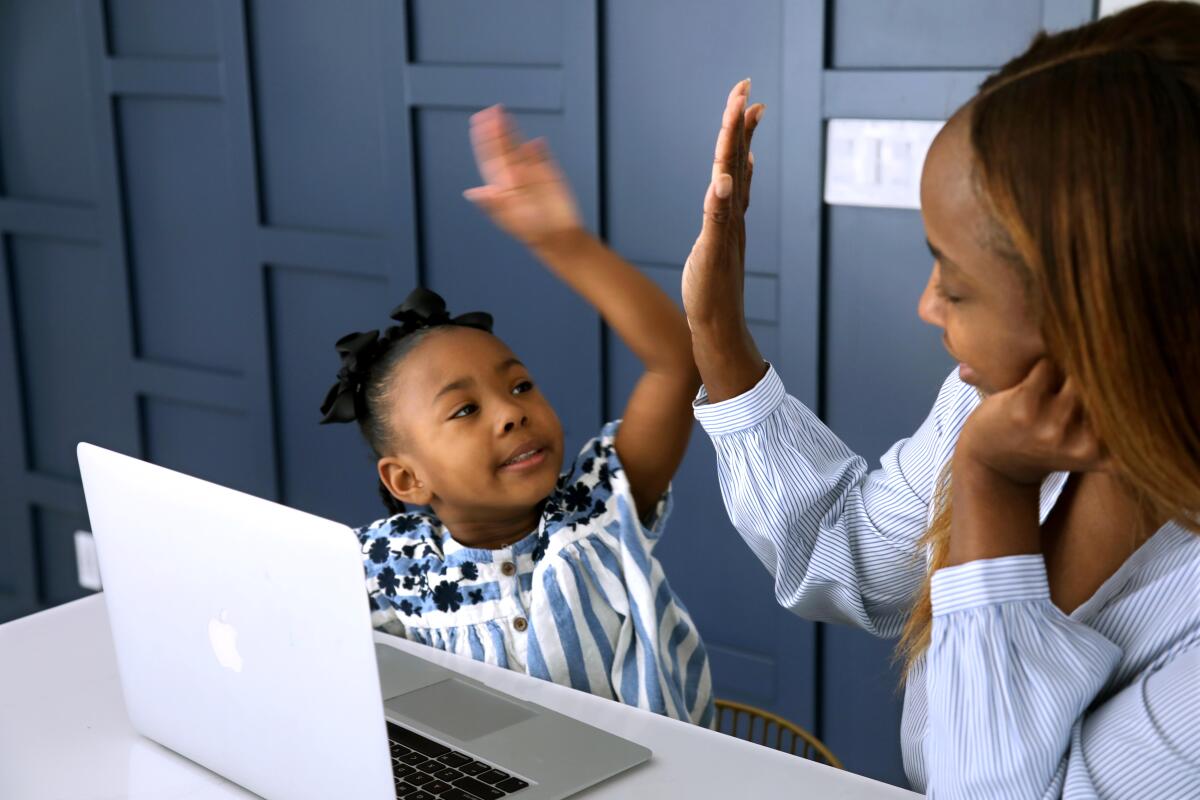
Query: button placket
[[520, 623]]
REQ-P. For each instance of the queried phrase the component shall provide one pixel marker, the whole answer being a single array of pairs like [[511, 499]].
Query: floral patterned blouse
[[581, 601]]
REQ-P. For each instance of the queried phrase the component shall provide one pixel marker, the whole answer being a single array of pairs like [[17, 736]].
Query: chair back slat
[[757, 730]]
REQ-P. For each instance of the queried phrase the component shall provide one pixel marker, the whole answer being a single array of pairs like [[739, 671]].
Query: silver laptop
[[244, 642]]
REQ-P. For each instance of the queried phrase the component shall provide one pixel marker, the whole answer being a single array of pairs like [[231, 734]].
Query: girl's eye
[[523, 387], [465, 411]]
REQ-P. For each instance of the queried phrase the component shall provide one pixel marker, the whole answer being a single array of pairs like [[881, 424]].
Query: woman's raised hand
[[524, 191], [725, 353]]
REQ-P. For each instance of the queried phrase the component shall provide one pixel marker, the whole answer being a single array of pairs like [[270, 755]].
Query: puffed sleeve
[[608, 621], [842, 542], [1009, 678]]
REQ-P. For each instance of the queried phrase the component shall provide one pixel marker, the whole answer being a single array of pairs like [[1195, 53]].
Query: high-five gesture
[[526, 195], [524, 192], [725, 353]]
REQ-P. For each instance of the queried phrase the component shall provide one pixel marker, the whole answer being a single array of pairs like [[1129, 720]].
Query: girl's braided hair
[[368, 358]]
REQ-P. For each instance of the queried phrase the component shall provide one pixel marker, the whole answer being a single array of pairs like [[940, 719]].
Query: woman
[[1034, 543]]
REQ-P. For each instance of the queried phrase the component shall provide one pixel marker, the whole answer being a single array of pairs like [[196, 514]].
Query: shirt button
[[508, 568], [520, 623]]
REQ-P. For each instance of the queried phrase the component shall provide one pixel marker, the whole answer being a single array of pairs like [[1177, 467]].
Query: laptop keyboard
[[426, 770]]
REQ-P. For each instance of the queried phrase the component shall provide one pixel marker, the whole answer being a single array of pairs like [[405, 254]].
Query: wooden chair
[[755, 725]]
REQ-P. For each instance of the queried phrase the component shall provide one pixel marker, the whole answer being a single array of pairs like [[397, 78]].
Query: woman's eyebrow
[[941, 257]]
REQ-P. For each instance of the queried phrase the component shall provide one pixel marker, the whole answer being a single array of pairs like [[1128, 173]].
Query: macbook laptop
[[244, 642]]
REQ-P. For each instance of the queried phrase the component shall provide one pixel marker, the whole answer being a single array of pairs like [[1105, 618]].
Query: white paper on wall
[[872, 162]]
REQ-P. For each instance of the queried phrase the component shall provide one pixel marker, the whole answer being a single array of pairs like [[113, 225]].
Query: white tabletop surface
[[64, 732]]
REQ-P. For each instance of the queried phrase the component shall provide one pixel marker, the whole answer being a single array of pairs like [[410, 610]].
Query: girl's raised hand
[[524, 191]]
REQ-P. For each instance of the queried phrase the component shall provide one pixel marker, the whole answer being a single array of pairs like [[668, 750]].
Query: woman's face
[[974, 295]]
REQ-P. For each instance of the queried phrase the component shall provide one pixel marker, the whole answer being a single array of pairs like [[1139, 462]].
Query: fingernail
[[723, 186]]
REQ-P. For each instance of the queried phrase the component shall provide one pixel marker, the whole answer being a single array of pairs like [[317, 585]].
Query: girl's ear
[[400, 478]]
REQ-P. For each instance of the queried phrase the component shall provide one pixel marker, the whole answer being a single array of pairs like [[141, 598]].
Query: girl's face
[[476, 439], [974, 295]]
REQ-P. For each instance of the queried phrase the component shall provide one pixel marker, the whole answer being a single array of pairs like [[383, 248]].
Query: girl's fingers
[[507, 134], [482, 196], [531, 163], [489, 157], [493, 139], [542, 161]]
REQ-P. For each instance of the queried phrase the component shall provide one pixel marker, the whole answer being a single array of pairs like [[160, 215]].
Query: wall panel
[[201, 440], [318, 87], [182, 244], [464, 32], [185, 29], [61, 341], [930, 33], [309, 310], [54, 532], [884, 365], [45, 153], [664, 113]]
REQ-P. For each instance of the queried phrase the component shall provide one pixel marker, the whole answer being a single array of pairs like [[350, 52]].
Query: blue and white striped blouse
[[1014, 698], [581, 601]]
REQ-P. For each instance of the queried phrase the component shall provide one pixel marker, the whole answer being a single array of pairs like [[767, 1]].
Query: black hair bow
[[345, 401]]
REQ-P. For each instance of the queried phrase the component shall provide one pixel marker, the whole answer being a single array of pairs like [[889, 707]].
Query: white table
[[64, 732]]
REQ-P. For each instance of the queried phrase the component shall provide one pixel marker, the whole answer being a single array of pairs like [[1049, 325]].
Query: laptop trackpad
[[458, 709]]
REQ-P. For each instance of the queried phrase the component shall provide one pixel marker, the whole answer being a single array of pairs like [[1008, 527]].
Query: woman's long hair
[[1087, 158]]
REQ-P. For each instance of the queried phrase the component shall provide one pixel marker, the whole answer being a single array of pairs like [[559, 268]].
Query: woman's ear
[[400, 478]]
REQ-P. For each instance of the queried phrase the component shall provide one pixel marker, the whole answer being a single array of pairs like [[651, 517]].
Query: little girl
[[522, 559]]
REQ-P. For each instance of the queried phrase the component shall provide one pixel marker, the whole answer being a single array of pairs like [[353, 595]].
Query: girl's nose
[[514, 418]]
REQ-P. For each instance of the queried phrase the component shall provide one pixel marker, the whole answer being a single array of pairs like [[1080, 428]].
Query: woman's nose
[[929, 307]]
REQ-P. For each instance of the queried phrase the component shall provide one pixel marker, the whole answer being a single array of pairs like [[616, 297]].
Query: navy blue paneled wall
[[197, 197]]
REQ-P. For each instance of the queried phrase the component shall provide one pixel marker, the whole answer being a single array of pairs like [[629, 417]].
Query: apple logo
[[223, 638]]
